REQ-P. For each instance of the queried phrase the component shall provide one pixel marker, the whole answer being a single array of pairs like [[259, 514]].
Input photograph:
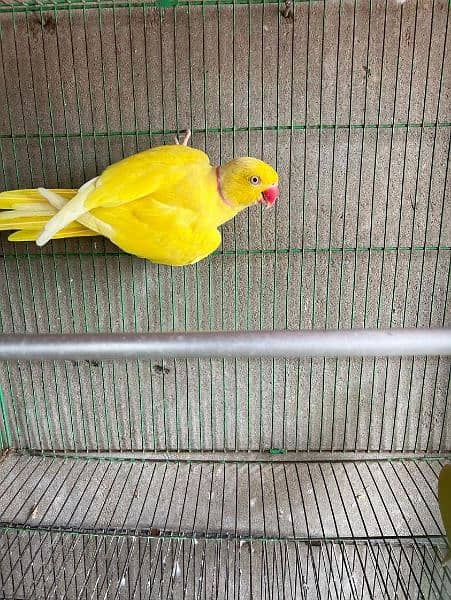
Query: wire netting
[[238, 405], [120, 567], [87, 528], [350, 101]]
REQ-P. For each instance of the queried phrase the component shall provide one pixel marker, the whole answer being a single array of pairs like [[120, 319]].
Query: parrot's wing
[[138, 176], [159, 232], [130, 179]]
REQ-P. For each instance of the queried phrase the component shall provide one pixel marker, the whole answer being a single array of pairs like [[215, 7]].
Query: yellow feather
[[30, 235], [15, 198], [22, 222]]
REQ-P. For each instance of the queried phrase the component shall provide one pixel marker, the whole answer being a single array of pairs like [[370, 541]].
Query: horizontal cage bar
[[253, 344]]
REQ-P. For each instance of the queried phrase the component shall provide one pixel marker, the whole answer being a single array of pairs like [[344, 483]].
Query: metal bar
[[286, 344], [137, 133]]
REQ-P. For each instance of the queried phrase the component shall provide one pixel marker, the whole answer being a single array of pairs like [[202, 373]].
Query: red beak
[[270, 195]]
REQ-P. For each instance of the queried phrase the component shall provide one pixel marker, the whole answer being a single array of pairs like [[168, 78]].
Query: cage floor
[[50, 565], [270, 500], [76, 527]]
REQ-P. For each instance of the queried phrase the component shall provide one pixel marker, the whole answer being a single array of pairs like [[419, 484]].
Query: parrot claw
[[185, 139]]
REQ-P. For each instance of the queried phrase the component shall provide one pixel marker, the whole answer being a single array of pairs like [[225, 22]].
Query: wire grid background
[[351, 102]]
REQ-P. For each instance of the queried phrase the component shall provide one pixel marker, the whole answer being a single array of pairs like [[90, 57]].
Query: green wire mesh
[[200, 478], [349, 102], [223, 405]]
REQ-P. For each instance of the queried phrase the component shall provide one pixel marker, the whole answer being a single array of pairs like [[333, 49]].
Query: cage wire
[[231, 478]]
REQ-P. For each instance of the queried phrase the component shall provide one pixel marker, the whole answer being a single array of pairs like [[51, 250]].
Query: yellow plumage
[[164, 204]]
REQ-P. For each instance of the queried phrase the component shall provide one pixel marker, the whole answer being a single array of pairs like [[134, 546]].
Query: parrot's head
[[245, 181]]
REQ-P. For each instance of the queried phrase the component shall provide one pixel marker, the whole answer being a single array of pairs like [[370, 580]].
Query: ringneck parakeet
[[164, 204]]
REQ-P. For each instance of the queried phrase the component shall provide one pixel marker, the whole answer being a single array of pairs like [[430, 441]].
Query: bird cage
[[271, 421]]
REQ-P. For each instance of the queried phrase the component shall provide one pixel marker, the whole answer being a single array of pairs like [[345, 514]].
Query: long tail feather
[[20, 198], [30, 235], [17, 220], [26, 212]]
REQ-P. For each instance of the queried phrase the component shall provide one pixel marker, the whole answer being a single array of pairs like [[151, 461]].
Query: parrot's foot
[[186, 139]]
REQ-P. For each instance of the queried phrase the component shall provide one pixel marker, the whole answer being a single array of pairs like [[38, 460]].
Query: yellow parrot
[[164, 204]]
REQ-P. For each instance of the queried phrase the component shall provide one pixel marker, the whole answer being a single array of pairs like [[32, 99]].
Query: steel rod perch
[[282, 344]]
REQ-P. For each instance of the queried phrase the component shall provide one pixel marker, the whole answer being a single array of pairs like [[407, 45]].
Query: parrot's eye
[[254, 180]]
